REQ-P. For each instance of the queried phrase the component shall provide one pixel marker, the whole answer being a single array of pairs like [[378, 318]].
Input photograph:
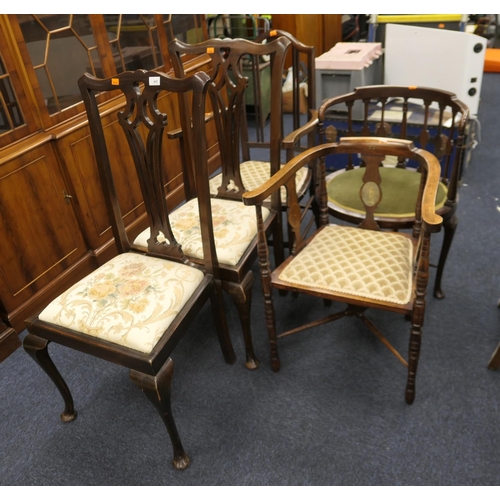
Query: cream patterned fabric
[[372, 264], [130, 301], [235, 226], [255, 173]]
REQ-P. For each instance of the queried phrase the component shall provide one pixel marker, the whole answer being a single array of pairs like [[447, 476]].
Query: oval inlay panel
[[370, 193]]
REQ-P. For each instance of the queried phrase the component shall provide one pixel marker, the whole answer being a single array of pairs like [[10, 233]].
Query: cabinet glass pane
[[10, 112], [134, 41], [62, 47], [185, 27]]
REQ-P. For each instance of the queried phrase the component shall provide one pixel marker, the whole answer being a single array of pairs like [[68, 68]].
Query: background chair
[[363, 267], [299, 115], [263, 124], [135, 308], [433, 119], [234, 224]]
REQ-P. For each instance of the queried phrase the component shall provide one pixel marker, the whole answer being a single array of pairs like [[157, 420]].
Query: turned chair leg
[[414, 354], [450, 228], [271, 332], [241, 293], [158, 391], [37, 348]]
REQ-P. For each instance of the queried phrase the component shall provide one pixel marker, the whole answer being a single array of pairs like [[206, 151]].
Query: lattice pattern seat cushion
[[372, 264], [399, 191], [130, 301], [234, 224], [255, 173]]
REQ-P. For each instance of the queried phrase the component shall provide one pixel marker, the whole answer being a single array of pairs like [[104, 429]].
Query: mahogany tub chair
[[433, 119], [234, 223], [134, 309], [363, 267]]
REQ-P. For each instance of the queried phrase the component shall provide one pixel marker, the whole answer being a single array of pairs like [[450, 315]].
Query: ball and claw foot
[[181, 462], [68, 416], [252, 363], [438, 294]]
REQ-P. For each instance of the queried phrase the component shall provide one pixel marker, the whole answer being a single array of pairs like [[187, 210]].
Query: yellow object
[[420, 18]]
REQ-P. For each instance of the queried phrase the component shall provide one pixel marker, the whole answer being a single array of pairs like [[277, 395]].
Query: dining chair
[[135, 308]]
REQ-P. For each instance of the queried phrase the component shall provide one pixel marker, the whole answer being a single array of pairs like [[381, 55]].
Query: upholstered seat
[[349, 260], [130, 301], [234, 226], [399, 192], [255, 173]]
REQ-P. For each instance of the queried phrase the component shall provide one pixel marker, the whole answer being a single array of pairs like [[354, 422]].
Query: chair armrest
[[283, 176], [431, 220], [293, 137]]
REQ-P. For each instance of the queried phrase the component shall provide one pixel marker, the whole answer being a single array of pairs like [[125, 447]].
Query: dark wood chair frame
[[151, 372], [448, 147], [227, 95], [300, 53], [372, 150], [494, 363]]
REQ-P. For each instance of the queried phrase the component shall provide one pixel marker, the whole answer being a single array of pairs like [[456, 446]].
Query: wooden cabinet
[[9, 341], [322, 31], [41, 235], [53, 218]]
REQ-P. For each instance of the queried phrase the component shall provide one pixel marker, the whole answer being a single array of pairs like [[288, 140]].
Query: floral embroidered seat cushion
[[130, 301], [234, 224], [255, 173], [373, 264]]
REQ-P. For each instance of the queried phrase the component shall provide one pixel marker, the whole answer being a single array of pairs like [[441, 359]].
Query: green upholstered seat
[[399, 191]]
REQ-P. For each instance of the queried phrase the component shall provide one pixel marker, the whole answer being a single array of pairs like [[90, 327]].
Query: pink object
[[349, 56]]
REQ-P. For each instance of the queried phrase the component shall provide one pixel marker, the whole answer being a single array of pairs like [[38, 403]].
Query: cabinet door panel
[[41, 237]]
